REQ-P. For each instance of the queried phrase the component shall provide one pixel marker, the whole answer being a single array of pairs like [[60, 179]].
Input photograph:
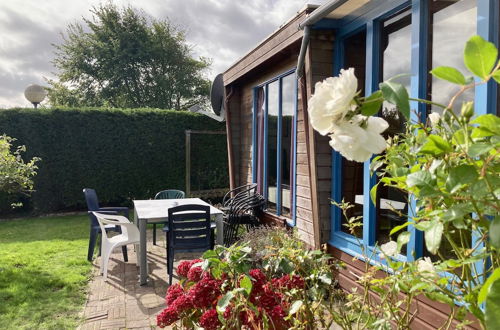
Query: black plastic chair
[[167, 194], [188, 230], [242, 216], [95, 229], [237, 194]]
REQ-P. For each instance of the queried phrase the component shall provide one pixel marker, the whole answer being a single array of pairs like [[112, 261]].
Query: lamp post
[[35, 94]]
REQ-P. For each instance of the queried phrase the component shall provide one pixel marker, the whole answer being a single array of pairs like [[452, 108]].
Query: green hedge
[[124, 154]]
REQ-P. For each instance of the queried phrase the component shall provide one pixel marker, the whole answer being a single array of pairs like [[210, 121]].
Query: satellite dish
[[217, 95]]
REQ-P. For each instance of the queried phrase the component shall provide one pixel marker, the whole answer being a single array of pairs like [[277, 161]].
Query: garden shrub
[[124, 154], [284, 285]]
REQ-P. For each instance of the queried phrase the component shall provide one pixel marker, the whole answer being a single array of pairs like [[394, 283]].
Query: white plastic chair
[[129, 235]]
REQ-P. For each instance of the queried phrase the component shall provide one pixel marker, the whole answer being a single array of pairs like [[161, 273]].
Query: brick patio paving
[[121, 303]]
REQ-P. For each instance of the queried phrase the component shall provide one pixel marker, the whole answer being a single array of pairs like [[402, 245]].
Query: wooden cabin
[[271, 143]]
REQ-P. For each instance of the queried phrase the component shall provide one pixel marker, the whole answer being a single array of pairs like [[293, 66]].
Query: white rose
[[332, 100], [434, 117], [357, 143], [426, 267], [390, 248]]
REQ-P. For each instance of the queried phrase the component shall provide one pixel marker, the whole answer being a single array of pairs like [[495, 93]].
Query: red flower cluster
[[182, 304], [259, 279], [209, 320], [205, 292], [174, 310], [166, 317], [267, 296], [173, 293], [287, 282], [185, 266], [194, 274]]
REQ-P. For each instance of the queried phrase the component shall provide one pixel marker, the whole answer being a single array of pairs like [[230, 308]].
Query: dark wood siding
[[240, 106], [275, 55], [430, 314]]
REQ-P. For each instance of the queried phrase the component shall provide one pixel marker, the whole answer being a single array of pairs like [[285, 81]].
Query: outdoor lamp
[[35, 94]]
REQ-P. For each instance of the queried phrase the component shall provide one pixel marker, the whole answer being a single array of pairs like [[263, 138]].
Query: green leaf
[[489, 122], [455, 212], [435, 146], [286, 266], [373, 194], [210, 254], [494, 232], [224, 301], [433, 236], [326, 279], [436, 296], [295, 307], [460, 175], [403, 239], [396, 94], [478, 149], [419, 286], [480, 56], [423, 225], [246, 283], [483, 293], [398, 228], [496, 76], [492, 310], [372, 104], [449, 74], [419, 179]]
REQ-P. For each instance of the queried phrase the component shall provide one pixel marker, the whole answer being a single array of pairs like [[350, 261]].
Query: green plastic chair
[[167, 194]]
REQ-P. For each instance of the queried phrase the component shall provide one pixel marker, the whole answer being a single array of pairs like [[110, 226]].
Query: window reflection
[[352, 172], [287, 147], [453, 23], [392, 204], [272, 136]]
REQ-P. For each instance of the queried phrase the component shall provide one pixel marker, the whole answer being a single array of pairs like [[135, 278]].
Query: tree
[[15, 175], [122, 58]]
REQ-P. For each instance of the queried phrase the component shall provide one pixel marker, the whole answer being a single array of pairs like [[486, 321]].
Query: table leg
[[143, 279], [219, 224]]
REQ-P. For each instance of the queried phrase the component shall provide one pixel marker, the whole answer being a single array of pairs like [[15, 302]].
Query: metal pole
[[188, 163]]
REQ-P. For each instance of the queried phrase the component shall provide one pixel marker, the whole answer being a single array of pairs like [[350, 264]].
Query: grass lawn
[[43, 272]]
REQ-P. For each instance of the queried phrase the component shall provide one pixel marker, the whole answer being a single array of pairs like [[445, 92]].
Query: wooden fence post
[[188, 163]]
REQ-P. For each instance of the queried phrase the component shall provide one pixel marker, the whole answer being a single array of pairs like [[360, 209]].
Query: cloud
[[223, 30]]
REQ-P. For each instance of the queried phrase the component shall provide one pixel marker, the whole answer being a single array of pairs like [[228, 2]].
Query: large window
[[274, 127], [384, 43]]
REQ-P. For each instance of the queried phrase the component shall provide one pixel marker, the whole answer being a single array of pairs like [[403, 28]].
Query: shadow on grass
[[33, 299], [43, 272]]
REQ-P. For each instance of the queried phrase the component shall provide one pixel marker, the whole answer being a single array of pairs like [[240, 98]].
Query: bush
[[283, 286], [124, 154]]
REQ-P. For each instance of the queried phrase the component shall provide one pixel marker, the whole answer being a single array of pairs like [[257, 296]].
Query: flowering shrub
[[449, 165], [334, 111], [232, 288]]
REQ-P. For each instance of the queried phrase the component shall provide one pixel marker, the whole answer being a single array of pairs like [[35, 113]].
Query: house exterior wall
[[319, 67], [241, 107], [314, 180]]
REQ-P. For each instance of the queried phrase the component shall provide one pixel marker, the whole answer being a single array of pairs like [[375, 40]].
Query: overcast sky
[[223, 30]]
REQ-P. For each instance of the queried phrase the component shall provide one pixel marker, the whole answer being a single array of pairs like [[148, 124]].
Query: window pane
[[392, 206], [260, 138], [287, 147], [454, 22], [272, 130], [352, 172]]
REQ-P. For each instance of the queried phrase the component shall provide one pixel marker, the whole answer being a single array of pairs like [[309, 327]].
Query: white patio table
[[156, 211]]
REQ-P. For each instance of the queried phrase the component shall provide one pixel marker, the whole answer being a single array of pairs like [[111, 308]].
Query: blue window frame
[[370, 25], [274, 141]]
